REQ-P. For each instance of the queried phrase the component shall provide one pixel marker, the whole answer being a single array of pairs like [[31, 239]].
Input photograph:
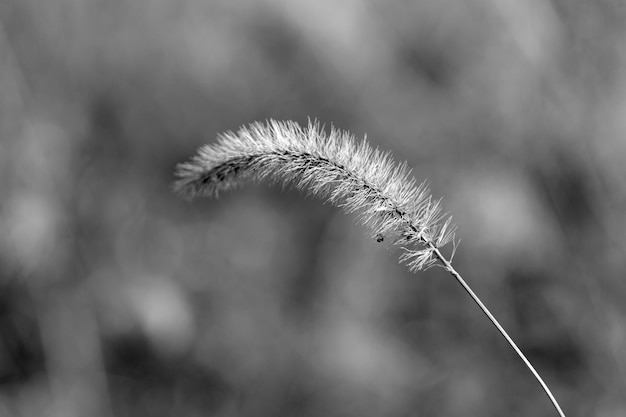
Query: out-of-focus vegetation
[[117, 298]]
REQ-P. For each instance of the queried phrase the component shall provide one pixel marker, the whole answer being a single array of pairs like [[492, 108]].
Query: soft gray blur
[[120, 299]]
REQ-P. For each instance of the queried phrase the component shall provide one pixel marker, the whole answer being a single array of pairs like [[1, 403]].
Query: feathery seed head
[[353, 176]]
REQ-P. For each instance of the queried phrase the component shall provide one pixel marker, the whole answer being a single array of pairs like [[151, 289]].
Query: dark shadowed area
[[118, 298]]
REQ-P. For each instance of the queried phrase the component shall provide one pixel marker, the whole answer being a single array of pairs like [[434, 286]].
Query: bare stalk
[[447, 265]]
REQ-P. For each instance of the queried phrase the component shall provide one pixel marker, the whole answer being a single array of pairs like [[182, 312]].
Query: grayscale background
[[120, 299]]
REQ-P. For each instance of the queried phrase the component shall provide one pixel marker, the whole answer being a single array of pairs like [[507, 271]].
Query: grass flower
[[353, 176]]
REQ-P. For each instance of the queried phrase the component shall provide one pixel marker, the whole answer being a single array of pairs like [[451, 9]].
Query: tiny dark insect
[[380, 237]]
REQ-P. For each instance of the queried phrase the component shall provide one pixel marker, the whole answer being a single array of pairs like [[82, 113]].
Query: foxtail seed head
[[354, 176]]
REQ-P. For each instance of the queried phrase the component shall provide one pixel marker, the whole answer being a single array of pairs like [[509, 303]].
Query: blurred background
[[120, 299]]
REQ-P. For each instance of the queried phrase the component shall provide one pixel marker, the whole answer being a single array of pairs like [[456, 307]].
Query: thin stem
[[448, 267]]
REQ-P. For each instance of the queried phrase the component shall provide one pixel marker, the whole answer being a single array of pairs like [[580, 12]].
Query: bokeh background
[[120, 299]]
